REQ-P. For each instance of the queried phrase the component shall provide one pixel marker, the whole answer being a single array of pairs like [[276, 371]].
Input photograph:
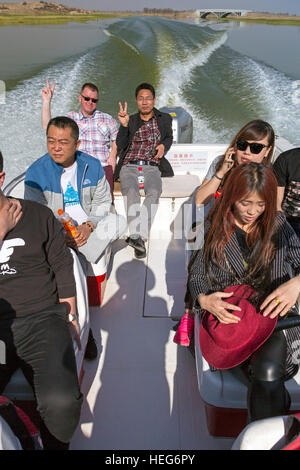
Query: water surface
[[223, 74]]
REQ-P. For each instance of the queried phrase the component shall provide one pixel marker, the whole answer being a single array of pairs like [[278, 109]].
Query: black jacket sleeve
[[60, 259]]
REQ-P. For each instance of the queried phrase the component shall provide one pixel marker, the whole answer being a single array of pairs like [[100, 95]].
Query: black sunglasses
[[86, 98], [255, 148]]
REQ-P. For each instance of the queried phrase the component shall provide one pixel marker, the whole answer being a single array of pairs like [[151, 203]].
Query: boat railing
[[8, 189]]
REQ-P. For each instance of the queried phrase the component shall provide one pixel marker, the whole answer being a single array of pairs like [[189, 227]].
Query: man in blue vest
[[66, 178]]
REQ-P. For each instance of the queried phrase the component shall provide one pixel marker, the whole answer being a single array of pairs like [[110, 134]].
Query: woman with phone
[[253, 143]]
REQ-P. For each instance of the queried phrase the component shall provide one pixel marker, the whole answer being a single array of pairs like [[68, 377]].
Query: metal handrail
[[288, 322], [13, 183]]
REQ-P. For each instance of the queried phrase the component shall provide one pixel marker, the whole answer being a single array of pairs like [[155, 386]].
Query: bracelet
[[218, 177], [90, 225]]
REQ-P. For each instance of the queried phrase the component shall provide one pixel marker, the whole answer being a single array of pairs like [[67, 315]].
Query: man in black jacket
[[287, 171], [38, 314], [142, 141]]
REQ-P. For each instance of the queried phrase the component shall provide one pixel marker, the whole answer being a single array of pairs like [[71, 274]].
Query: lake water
[[224, 74]]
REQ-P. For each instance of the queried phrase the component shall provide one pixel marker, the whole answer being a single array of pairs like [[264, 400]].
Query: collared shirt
[[287, 171], [144, 143], [96, 133]]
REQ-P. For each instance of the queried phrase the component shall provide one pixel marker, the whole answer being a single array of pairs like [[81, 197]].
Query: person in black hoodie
[[142, 141], [38, 314]]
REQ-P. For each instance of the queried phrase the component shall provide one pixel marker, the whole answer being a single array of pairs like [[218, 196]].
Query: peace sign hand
[[123, 115], [47, 92]]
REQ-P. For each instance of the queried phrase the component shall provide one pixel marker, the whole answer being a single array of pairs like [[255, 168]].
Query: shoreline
[[15, 20], [273, 21], [39, 13]]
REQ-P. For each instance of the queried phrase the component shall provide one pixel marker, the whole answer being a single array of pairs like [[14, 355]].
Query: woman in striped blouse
[[248, 242], [253, 143]]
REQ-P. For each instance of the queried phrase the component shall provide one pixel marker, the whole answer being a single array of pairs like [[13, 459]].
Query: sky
[[274, 6]]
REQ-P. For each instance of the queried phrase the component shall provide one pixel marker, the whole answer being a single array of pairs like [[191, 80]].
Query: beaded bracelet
[[90, 225]]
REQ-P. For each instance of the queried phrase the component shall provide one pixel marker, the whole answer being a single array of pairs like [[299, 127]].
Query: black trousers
[[265, 370], [41, 345]]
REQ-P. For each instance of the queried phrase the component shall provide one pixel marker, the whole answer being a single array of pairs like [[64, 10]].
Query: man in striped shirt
[[97, 130]]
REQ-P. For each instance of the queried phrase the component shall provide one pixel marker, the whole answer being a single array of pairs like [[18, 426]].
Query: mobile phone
[[230, 158]]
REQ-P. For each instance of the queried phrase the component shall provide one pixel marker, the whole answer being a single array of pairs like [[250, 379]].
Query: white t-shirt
[[72, 204]]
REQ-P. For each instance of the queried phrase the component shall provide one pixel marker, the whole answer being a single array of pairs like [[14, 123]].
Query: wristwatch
[[71, 317]]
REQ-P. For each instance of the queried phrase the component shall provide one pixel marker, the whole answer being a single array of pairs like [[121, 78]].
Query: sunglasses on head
[[255, 147], [87, 98]]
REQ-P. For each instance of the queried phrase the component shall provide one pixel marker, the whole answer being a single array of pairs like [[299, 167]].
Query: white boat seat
[[97, 277], [265, 434], [8, 440], [177, 186], [181, 186], [18, 388]]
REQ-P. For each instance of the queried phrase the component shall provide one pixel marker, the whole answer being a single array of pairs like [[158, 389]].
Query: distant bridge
[[222, 13]]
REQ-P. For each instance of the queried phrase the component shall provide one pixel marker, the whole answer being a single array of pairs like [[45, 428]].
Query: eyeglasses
[[146, 98], [87, 98], [255, 147]]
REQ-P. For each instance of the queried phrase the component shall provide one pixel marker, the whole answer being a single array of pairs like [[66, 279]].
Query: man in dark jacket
[[142, 141], [287, 171], [38, 314]]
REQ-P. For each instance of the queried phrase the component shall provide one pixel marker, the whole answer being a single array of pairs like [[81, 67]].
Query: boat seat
[[224, 394], [177, 186], [264, 434], [180, 186], [18, 388], [8, 440], [97, 277]]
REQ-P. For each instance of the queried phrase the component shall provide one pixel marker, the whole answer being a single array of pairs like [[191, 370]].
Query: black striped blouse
[[286, 265]]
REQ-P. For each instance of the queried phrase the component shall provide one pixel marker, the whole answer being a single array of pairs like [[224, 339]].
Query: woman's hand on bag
[[282, 299], [215, 304]]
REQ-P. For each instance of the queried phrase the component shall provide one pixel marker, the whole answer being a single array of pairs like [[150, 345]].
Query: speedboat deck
[[142, 393]]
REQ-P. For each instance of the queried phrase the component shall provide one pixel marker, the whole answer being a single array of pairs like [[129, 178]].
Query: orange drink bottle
[[67, 222]]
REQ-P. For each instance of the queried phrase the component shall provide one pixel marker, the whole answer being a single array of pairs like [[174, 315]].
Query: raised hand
[[227, 162], [10, 216], [123, 115], [47, 92]]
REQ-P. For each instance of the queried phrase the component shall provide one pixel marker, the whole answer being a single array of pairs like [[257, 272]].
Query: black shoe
[[138, 244], [91, 351]]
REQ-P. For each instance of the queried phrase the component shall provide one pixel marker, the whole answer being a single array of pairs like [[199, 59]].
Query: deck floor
[[142, 392]]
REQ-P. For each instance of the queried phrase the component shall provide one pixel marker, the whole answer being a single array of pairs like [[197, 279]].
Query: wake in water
[[189, 65], [21, 135]]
